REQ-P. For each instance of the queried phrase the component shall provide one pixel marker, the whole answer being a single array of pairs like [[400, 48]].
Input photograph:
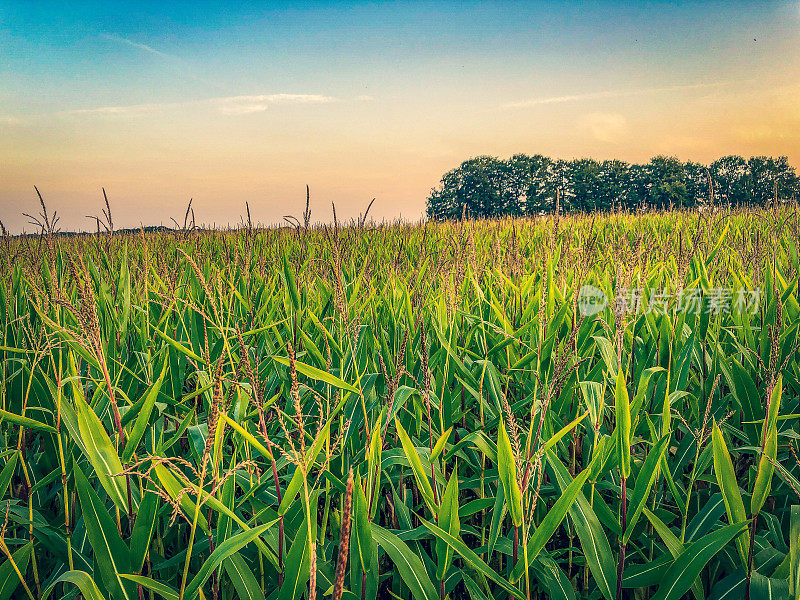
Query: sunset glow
[[184, 100]]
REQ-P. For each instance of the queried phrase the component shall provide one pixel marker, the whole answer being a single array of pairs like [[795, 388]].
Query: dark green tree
[[530, 178], [771, 179], [485, 186], [613, 186], [696, 180], [586, 182], [731, 177], [667, 178]]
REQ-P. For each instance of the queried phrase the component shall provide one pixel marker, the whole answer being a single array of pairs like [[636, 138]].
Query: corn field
[[404, 411]]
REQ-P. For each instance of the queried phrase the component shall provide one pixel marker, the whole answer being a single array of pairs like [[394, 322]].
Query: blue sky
[[167, 101]]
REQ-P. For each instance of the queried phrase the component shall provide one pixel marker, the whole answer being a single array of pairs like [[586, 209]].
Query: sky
[[166, 101]]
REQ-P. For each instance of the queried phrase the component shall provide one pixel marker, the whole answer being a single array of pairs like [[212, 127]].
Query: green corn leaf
[[407, 563], [401, 396], [674, 546], [248, 436], [671, 541], [593, 540], [102, 455], [143, 529], [592, 393], [173, 487], [438, 448], [449, 522], [295, 484], [763, 483], [421, 477], [644, 483], [498, 514], [475, 592], [775, 403], [144, 416], [8, 472], [507, 466], [25, 422], [225, 550], [317, 374], [688, 565], [794, 551], [666, 410], [244, 582], [82, 580], [163, 446], [290, 282], [555, 438], [374, 465], [9, 580], [110, 552], [623, 429], [179, 347], [553, 579], [162, 589], [472, 558], [297, 566], [641, 390], [361, 534], [226, 497], [550, 523], [726, 478]]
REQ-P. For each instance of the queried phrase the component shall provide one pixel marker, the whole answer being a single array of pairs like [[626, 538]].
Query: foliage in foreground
[[402, 411]]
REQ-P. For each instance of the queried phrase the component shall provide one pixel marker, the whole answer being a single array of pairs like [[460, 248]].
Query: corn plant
[[404, 410]]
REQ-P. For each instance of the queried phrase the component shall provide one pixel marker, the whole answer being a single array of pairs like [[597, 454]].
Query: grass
[[403, 410]]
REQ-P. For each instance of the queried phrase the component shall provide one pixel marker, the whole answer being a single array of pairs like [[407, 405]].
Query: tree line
[[487, 186]]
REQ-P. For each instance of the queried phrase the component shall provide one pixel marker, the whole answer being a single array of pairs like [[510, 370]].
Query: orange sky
[[378, 102]]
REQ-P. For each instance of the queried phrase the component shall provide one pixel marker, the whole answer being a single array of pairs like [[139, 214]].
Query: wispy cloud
[[125, 111], [113, 37], [530, 102], [227, 105], [182, 68], [243, 105]]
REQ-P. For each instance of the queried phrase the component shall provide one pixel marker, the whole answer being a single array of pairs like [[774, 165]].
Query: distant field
[[590, 406]]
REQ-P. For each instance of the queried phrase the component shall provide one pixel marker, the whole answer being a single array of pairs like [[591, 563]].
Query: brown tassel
[[344, 540]]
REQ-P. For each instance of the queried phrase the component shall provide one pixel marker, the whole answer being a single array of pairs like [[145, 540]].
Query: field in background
[[402, 411]]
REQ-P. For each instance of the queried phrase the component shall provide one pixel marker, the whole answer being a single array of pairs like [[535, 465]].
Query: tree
[[667, 179], [613, 186], [730, 176], [771, 178], [479, 186], [696, 178], [486, 186], [529, 175], [586, 179]]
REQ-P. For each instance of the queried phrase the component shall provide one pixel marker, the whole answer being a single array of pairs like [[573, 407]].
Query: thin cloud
[[113, 37], [243, 105], [227, 105], [182, 67], [129, 110], [609, 94]]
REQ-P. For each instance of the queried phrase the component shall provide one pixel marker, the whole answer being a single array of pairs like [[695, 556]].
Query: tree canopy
[[486, 186]]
